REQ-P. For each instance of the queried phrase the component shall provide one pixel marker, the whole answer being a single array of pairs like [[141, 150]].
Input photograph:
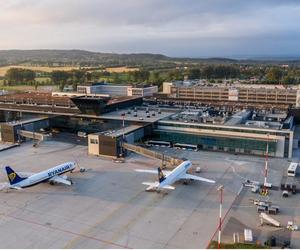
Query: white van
[[292, 170]]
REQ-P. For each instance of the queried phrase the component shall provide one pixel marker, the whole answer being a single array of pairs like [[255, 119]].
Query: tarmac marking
[[141, 213], [112, 214], [69, 232]]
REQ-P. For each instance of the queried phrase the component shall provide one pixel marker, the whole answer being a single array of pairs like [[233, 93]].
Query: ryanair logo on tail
[[12, 176]]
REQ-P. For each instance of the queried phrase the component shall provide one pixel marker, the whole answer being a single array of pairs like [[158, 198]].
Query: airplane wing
[[197, 178], [151, 185], [59, 179], [16, 187], [5, 186], [168, 187], [150, 171], [154, 185]]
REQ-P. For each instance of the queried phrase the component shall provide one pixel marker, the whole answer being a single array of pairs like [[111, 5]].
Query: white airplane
[[167, 178], [19, 181]]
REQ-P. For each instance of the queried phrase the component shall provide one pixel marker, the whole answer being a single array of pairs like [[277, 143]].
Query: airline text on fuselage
[[59, 170]]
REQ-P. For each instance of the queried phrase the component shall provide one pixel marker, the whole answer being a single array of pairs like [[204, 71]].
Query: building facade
[[144, 91], [235, 139], [241, 93], [117, 90]]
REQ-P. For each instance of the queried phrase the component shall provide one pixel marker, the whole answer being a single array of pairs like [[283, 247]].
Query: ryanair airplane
[[167, 178], [52, 175]]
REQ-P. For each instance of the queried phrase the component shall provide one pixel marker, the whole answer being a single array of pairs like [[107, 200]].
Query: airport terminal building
[[236, 130]]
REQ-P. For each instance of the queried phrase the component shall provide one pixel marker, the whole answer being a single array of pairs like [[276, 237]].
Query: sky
[[178, 28]]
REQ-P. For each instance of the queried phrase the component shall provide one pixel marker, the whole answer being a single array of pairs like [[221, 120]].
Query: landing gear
[[187, 182], [51, 183]]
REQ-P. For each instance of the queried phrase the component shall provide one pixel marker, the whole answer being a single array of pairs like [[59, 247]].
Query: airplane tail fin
[[161, 176], [12, 176]]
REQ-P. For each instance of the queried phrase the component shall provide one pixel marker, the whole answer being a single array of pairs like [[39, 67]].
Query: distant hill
[[88, 58], [77, 57]]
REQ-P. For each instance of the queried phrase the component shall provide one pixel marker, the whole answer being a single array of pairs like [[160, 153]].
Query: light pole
[[220, 188], [266, 164], [123, 135], [123, 125]]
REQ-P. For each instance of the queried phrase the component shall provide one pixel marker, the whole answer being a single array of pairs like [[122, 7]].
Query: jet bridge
[[171, 161], [9, 131], [33, 135]]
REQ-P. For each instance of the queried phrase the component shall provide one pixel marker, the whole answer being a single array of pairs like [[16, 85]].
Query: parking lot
[[107, 207]]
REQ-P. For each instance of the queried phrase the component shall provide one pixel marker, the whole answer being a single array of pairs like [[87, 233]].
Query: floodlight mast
[[220, 188]]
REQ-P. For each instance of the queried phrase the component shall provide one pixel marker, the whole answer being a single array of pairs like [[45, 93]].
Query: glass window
[[232, 143], [93, 141]]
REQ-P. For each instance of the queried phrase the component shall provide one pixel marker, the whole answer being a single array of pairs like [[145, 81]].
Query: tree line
[[16, 75], [19, 76], [265, 74]]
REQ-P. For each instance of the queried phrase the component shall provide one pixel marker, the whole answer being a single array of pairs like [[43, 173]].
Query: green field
[[214, 245], [43, 80], [4, 69]]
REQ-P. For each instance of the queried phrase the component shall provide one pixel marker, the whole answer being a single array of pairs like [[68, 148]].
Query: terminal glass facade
[[242, 145]]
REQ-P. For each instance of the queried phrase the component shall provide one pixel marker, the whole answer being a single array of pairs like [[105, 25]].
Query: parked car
[[254, 189], [82, 134], [198, 169]]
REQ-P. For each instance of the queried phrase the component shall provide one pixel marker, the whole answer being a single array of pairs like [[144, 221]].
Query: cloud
[[175, 27]]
